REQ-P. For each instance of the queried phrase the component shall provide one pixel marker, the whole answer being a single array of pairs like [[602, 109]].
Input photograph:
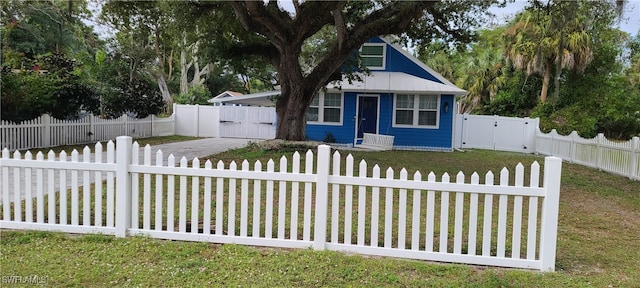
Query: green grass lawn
[[598, 242]]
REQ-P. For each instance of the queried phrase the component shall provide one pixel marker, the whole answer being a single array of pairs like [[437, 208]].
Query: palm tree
[[482, 77], [536, 42]]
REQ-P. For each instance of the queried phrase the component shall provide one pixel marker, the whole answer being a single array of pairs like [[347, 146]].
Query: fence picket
[[348, 202], [362, 194], [86, 188], [206, 223], [430, 225], [335, 198], [268, 227], [182, 202], [135, 186], [6, 213], [51, 193], [444, 216], [195, 197], [244, 201], [282, 199], [28, 190], [39, 189], [415, 222], [257, 185], [459, 214], [473, 216], [533, 213], [295, 186], [159, 192], [63, 192], [146, 198], [502, 215], [517, 214], [231, 224], [171, 194], [17, 207], [98, 186], [75, 193], [308, 169], [488, 209], [402, 213], [388, 212], [375, 207], [110, 186], [219, 201]]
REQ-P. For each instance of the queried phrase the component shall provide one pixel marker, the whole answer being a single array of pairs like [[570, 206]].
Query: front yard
[[598, 244]]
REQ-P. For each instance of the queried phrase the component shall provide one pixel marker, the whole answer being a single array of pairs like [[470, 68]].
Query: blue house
[[401, 97]]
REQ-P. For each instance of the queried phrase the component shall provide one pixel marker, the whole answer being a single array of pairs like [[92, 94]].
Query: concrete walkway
[[189, 149], [197, 148]]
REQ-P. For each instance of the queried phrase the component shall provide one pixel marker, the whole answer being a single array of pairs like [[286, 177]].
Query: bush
[[196, 95]]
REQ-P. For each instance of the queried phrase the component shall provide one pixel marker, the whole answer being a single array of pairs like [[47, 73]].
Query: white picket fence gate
[[345, 210], [622, 158], [46, 131]]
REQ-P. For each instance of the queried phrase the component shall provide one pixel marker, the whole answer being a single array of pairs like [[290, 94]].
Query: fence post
[[123, 185], [322, 194], [46, 130], [550, 206], [599, 139], [635, 154]]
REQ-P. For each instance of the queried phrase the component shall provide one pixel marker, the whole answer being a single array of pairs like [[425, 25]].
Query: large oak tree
[[271, 33]]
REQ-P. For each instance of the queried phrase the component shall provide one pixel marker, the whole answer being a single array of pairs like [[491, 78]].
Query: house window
[[416, 110], [372, 56], [325, 108]]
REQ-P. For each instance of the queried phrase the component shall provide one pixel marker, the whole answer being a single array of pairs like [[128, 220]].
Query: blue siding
[[344, 133], [422, 137], [419, 137], [396, 62]]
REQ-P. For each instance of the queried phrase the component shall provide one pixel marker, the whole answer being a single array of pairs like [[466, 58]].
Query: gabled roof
[[255, 99], [416, 60], [225, 94], [380, 81]]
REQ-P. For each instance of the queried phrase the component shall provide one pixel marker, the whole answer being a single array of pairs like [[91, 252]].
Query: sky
[[630, 22]]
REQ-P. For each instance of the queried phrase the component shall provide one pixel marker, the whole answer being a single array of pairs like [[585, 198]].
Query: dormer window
[[372, 55]]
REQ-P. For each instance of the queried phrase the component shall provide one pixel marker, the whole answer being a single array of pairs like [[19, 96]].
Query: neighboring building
[[401, 97], [265, 99], [226, 95]]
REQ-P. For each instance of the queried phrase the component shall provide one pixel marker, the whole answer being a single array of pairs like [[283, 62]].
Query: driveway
[[190, 149], [197, 148]]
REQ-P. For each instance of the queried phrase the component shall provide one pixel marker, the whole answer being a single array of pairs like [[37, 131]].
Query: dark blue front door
[[367, 115]]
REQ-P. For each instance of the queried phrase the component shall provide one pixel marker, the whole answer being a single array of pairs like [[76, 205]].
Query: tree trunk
[[294, 99], [292, 120], [558, 66], [545, 83]]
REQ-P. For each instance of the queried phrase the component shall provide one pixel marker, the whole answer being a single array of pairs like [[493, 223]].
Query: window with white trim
[[373, 55], [325, 108], [416, 110]]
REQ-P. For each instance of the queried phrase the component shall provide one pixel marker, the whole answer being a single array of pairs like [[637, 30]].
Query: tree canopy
[[563, 61], [267, 31]]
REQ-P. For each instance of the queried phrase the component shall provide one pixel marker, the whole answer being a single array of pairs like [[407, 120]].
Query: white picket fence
[[622, 158], [345, 210], [46, 131]]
